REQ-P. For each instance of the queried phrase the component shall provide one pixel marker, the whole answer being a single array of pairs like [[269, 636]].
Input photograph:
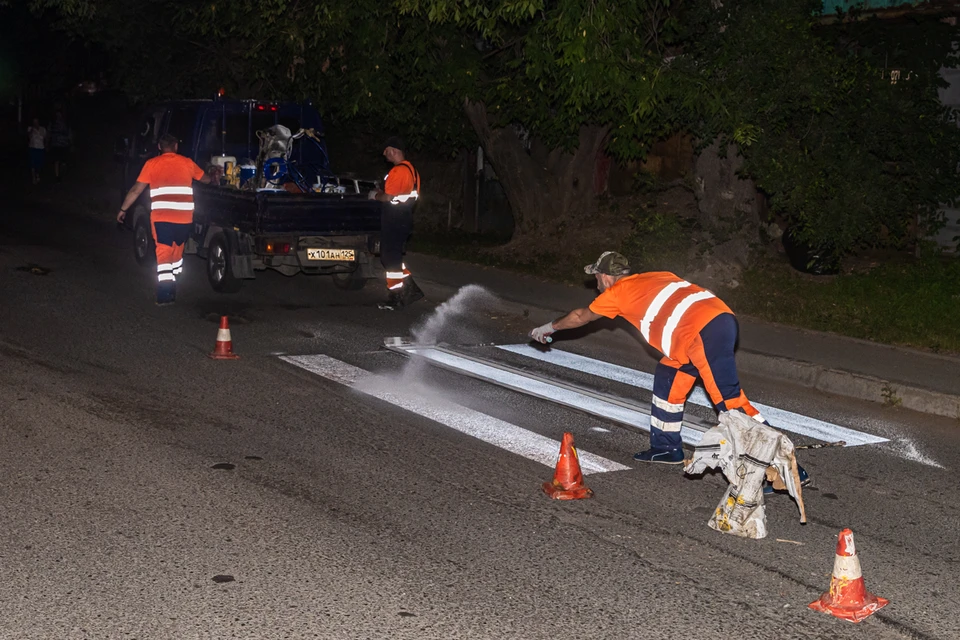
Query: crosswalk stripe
[[554, 393], [473, 423], [779, 418]]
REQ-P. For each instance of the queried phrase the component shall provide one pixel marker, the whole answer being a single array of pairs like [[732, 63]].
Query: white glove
[[542, 334]]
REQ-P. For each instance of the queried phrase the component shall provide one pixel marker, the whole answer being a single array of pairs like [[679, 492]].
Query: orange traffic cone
[[848, 598], [224, 348], [567, 480]]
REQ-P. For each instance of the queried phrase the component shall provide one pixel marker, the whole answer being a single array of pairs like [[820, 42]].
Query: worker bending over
[[693, 329]]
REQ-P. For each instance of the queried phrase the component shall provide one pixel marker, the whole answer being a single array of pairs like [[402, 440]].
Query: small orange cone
[[567, 480], [848, 597], [224, 348]]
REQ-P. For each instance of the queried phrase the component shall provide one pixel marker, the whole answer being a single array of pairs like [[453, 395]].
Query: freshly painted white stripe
[[547, 391], [666, 340], [473, 423], [657, 304], [779, 418], [169, 204], [171, 191]]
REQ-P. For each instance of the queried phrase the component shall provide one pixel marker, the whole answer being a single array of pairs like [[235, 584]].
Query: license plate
[[339, 255]]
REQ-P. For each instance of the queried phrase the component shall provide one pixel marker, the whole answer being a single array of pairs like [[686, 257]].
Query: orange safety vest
[[171, 177], [403, 183], [669, 311]]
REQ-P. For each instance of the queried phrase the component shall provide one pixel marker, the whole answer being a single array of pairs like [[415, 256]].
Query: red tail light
[[277, 247]]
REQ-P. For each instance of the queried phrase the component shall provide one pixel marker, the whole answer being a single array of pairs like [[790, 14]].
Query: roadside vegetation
[[893, 299], [833, 122]]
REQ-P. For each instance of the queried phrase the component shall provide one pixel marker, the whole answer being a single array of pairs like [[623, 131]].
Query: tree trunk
[[543, 186]]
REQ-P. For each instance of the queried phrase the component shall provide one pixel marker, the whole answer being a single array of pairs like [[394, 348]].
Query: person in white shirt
[[37, 143]]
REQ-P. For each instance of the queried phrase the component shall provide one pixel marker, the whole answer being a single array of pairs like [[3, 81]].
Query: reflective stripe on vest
[[413, 195], [673, 321], [172, 198]]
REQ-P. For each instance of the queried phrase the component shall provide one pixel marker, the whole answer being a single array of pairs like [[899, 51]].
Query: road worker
[[170, 177], [401, 189], [693, 329]]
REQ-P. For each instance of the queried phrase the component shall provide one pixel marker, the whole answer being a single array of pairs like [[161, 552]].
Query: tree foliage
[[847, 156]]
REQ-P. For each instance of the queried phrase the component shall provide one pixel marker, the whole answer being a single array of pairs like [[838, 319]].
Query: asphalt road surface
[[150, 492]]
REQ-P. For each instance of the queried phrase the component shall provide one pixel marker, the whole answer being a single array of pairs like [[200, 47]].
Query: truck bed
[[270, 213]]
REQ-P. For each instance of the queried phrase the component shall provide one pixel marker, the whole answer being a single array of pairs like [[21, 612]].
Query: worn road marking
[[779, 418], [473, 423]]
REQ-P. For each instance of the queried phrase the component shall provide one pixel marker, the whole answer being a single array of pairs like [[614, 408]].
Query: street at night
[[139, 472], [461, 320]]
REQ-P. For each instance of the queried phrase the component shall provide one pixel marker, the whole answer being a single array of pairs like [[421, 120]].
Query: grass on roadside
[[911, 303]]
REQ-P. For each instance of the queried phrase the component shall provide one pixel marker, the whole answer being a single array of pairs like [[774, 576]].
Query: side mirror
[[121, 149]]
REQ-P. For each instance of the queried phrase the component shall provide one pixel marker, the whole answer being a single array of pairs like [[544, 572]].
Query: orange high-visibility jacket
[[403, 183], [171, 177], [669, 311]]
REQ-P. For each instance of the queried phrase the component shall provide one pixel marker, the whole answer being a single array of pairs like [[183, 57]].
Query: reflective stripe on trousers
[[712, 359]]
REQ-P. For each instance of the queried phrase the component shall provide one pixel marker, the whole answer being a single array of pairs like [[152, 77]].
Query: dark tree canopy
[[845, 155]]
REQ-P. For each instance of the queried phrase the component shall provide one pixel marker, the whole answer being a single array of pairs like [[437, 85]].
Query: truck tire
[[352, 281], [220, 265], [144, 248]]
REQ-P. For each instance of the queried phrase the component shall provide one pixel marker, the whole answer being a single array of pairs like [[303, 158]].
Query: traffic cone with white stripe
[[567, 481], [224, 348], [848, 597]]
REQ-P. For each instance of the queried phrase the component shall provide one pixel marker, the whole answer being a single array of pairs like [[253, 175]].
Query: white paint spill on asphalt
[[473, 423], [780, 418], [906, 448]]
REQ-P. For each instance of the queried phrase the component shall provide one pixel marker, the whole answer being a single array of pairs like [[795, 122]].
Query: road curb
[[849, 384]]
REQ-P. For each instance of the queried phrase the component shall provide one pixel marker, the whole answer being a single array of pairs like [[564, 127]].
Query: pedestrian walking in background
[[61, 139], [37, 145]]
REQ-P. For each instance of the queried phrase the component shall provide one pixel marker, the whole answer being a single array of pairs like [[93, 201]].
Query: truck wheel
[[144, 249], [352, 281], [220, 266]]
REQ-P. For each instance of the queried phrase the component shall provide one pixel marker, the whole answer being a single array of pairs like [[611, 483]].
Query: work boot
[[411, 292], [394, 302], [662, 456], [166, 294]]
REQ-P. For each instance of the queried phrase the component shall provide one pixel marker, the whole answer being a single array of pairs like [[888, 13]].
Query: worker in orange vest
[[401, 190], [693, 329], [170, 177]]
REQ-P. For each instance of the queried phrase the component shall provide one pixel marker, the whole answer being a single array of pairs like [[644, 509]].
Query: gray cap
[[610, 263]]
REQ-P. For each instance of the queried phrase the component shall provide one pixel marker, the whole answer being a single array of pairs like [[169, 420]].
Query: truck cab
[[306, 219]]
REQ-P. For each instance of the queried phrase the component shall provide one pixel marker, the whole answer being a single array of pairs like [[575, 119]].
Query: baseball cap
[[610, 263], [395, 142]]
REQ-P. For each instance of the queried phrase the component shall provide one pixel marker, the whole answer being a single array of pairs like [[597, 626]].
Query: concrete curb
[[850, 384], [807, 374]]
